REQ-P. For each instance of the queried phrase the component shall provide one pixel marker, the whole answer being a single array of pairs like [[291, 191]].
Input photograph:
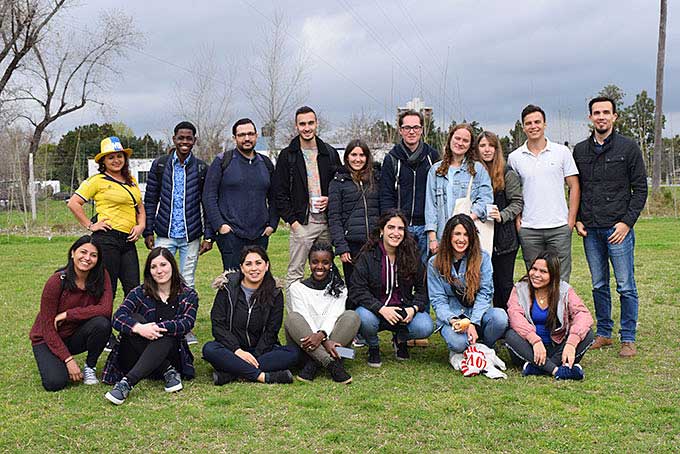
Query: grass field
[[418, 406]]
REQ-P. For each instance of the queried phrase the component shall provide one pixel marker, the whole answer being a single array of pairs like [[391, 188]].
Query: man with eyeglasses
[[404, 176], [239, 196]]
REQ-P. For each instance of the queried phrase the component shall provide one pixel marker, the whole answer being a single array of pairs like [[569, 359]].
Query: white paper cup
[[312, 203]]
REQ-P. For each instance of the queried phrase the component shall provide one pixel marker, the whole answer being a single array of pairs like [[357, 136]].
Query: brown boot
[[600, 342], [627, 350], [418, 343]]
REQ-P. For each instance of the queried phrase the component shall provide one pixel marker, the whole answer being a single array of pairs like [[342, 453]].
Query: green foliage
[[613, 92], [517, 137]]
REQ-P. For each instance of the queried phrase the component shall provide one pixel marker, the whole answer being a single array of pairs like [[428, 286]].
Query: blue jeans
[[418, 232], [599, 252], [420, 327], [188, 255], [494, 324], [224, 360]]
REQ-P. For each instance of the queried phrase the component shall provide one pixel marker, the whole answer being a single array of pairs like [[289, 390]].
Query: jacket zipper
[[363, 196], [413, 202], [250, 309], [172, 199]]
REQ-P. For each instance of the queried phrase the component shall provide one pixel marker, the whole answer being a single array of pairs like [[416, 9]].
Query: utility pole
[[31, 185]]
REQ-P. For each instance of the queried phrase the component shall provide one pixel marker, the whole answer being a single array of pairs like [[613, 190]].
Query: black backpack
[[163, 160], [227, 155]]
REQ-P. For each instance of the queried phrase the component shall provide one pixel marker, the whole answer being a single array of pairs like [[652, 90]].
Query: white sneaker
[[90, 376]]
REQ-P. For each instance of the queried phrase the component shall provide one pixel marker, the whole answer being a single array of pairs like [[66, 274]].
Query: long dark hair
[[553, 263], [407, 251], [94, 283], [365, 175], [444, 258], [267, 290], [124, 171], [151, 286], [336, 284]]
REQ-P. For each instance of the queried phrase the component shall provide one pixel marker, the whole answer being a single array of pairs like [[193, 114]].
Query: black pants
[[503, 278], [348, 268], [521, 351], [120, 259], [230, 247], [142, 357], [91, 336]]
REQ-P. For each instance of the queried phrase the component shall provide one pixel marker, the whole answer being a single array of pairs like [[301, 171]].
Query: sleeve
[[49, 307], [122, 319], [388, 196], [638, 186], [438, 297], [518, 320], [482, 192], [208, 230], [299, 302], [569, 163], [220, 323], [513, 194], [580, 319], [273, 325], [103, 307], [335, 224], [151, 198], [336, 309], [431, 201], [283, 196], [211, 190], [271, 197], [359, 292], [184, 322], [88, 188], [484, 298]]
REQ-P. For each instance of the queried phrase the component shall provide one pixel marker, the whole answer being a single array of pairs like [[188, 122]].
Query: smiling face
[[184, 141], [253, 268], [460, 142], [539, 274], [161, 270], [393, 233], [114, 162], [306, 125], [459, 240], [356, 159], [534, 126], [411, 130], [85, 257], [603, 117], [486, 150], [320, 264], [245, 137]]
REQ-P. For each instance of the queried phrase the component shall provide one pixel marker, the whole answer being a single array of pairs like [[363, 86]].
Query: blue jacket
[[158, 199], [444, 301]]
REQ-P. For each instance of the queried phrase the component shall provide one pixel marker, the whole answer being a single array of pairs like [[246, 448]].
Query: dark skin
[[320, 264], [184, 141]]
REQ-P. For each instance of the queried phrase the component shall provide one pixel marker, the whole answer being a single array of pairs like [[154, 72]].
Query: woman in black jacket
[[246, 318], [353, 204], [388, 288]]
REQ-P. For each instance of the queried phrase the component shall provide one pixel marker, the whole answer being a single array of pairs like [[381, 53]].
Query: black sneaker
[[173, 381], [309, 371], [338, 372], [222, 378], [374, 357], [401, 351], [119, 392], [279, 376], [111, 343]]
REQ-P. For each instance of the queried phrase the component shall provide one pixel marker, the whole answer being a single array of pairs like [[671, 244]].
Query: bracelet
[[68, 360]]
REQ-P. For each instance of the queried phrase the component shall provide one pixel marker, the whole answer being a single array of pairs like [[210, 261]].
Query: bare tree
[[277, 79], [205, 99], [364, 126], [658, 113]]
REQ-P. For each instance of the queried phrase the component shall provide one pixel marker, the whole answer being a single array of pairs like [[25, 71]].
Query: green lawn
[[418, 406]]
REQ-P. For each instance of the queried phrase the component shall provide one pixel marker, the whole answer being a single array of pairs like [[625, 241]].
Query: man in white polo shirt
[[544, 166]]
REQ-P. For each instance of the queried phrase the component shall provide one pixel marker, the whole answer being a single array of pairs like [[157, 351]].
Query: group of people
[[418, 233]]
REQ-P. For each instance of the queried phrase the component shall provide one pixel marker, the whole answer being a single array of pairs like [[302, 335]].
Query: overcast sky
[[478, 60]]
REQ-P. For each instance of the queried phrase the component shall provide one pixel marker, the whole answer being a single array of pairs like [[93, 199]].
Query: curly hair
[[336, 284], [448, 153]]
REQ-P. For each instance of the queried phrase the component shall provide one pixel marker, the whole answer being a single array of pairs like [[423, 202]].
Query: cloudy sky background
[[501, 56]]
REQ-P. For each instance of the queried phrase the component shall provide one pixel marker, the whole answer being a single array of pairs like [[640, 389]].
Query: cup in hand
[[491, 209], [313, 202]]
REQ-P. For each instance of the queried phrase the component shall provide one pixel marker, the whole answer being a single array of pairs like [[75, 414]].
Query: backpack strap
[[226, 157]]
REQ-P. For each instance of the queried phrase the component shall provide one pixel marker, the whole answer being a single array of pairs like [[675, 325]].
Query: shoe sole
[[375, 365], [346, 382], [399, 358], [303, 380], [112, 399], [90, 383], [173, 389]]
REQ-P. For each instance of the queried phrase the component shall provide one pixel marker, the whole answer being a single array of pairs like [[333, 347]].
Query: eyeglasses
[[241, 135], [416, 128]]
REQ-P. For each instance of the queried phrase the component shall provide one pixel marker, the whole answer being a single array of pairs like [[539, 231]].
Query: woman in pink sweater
[[549, 324]]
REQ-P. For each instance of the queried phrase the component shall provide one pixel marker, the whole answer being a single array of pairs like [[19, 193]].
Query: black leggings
[[91, 336], [521, 351], [120, 259], [142, 357], [503, 278]]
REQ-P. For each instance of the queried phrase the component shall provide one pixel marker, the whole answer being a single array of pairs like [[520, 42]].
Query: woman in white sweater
[[317, 320]]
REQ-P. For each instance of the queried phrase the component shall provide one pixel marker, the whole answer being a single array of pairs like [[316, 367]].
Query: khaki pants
[[344, 330], [299, 244]]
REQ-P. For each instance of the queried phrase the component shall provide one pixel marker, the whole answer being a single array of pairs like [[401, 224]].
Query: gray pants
[[299, 244], [557, 239], [344, 330]]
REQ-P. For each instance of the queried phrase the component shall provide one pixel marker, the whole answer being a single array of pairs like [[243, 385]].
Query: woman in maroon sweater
[[74, 317]]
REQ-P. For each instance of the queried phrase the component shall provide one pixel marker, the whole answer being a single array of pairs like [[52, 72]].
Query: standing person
[[74, 317], [246, 319], [353, 204], [317, 319], [239, 196], [544, 167], [460, 283], [153, 320], [449, 181], [507, 198], [613, 193], [388, 288], [404, 176], [304, 171], [549, 324]]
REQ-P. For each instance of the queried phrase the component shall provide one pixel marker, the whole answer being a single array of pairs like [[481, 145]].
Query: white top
[[319, 311], [545, 205]]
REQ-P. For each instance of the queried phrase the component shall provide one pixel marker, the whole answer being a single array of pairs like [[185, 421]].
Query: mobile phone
[[345, 352]]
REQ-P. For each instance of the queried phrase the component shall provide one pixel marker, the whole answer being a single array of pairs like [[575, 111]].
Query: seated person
[[460, 283], [74, 317], [550, 327], [388, 288], [317, 320], [246, 319], [152, 321]]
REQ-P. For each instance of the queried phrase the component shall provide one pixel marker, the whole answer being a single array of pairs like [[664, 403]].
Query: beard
[[602, 131]]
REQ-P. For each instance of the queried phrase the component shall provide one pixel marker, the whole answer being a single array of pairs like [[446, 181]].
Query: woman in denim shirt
[[460, 284], [449, 181]]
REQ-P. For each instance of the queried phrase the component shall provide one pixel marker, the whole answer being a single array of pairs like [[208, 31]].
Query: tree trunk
[[658, 113]]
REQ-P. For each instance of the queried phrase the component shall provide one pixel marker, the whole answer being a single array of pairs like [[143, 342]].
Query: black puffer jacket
[[510, 203], [353, 210]]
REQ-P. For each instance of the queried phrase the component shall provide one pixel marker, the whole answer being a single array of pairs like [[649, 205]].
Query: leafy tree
[[637, 121], [73, 150], [614, 92], [517, 136]]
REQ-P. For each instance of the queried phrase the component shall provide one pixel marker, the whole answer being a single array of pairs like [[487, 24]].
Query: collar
[[175, 158], [548, 147], [607, 140]]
